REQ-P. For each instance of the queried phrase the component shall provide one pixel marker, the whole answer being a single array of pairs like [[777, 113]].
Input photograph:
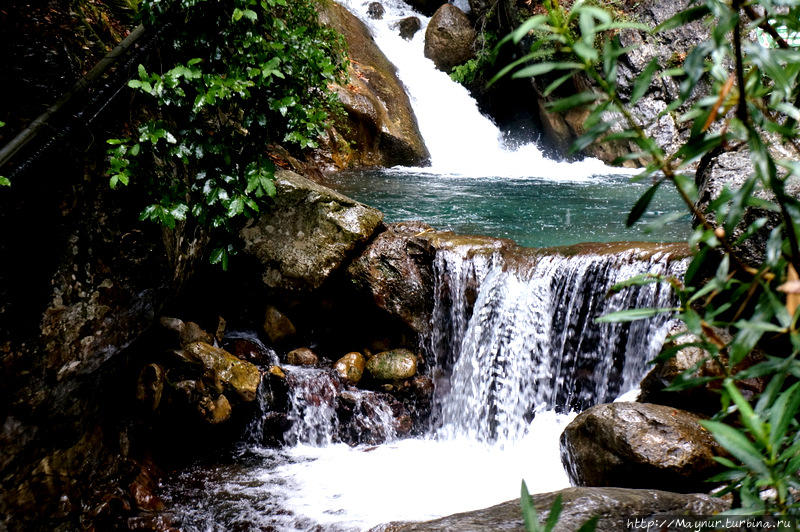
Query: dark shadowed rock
[[449, 38], [408, 27], [375, 10], [395, 270], [308, 234], [380, 128], [612, 505], [639, 445], [426, 7], [277, 325], [150, 386]]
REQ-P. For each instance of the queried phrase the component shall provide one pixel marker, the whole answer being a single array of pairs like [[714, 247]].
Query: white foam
[[419, 479]]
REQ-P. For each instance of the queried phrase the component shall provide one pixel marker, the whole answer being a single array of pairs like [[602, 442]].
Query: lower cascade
[[514, 338], [514, 352]]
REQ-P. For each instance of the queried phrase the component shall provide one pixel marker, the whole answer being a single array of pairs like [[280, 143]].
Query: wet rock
[[612, 505], [422, 386], [238, 376], [150, 386], [408, 27], [380, 128], [277, 372], [308, 234], [302, 357], [250, 350], [639, 445], [393, 365], [350, 367], [277, 326], [449, 38], [214, 411], [395, 269], [188, 332], [375, 10]]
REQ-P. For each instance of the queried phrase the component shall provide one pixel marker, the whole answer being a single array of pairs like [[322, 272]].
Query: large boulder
[[310, 232], [395, 270], [614, 506], [380, 128], [449, 38], [637, 445]]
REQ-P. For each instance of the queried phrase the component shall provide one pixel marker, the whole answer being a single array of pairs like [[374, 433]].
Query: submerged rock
[[309, 233], [302, 356], [350, 367], [612, 505], [241, 377], [393, 365], [639, 445], [449, 38], [380, 128]]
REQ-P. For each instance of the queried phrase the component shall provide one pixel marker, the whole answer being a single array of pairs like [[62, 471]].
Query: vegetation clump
[[245, 73]]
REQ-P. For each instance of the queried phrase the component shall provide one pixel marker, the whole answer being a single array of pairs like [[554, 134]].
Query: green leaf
[[4, 182], [682, 18], [632, 314], [590, 525], [738, 445], [782, 413], [564, 104], [552, 517], [749, 418], [643, 80], [641, 204], [529, 515]]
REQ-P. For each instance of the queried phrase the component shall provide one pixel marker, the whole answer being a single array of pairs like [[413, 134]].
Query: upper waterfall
[[460, 139]]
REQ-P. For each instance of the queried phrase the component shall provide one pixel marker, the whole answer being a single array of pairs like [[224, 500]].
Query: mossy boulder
[[393, 365], [309, 233]]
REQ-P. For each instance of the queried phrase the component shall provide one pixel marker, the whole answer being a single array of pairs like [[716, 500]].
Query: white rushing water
[[460, 139], [514, 348]]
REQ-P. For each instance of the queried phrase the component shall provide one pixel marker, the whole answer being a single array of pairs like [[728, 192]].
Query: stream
[[514, 348]]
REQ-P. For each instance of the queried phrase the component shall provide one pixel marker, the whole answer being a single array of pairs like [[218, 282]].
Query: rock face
[[393, 365], [611, 505], [449, 38], [639, 445], [395, 269], [408, 27], [239, 377], [380, 129], [309, 233]]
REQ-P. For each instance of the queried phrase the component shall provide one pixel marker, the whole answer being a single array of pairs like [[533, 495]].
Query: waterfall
[[460, 139], [515, 337]]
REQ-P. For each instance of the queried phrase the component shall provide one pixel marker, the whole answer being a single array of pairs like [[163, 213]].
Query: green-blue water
[[533, 212]]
